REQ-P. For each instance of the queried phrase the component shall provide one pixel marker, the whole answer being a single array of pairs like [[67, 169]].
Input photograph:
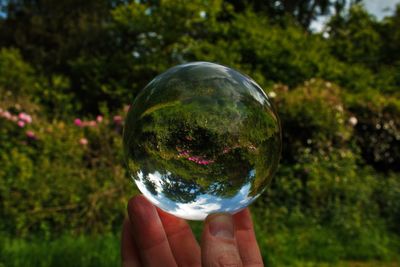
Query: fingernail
[[221, 225]]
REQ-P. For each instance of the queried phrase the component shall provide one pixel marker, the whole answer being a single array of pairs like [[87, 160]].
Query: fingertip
[[145, 220], [246, 239], [148, 232], [140, 209], [170, 221], [182, 242], [243, 212], [218, 245], [135, 200], [243, 220], [220, 225], [166, 215]]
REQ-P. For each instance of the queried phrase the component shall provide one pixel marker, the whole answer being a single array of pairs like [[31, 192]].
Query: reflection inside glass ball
[[202, 138]]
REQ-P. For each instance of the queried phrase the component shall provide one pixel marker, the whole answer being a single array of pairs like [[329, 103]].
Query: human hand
[[151, 237]]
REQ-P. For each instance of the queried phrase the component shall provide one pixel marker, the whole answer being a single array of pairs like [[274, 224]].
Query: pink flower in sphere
[[117, 119], [83, 141], [99, 118], [21, 124], [78, 122]]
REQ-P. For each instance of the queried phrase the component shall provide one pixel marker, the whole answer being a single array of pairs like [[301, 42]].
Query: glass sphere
[[202, 138]]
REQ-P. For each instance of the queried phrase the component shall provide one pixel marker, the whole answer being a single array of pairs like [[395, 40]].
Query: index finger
[[129, 253], [246, 239]]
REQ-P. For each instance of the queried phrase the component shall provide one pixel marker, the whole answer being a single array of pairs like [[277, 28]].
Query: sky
[[379, 8]]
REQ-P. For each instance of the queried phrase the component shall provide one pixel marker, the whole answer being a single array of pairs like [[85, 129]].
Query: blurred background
[[69, 69]]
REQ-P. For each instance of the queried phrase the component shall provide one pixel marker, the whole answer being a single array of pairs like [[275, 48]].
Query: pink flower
[[184, 153], [99, 118], [83, 141], [21, 124], [78, 122], [25, 117], [91, 123], [117, 119], [30, 135], [6, 114], [28, 119], [206, 162]]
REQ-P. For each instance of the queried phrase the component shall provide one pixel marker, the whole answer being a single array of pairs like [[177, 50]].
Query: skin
[[151, 237]]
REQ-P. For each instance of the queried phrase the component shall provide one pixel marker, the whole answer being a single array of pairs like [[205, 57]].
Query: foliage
[[84, 251], [313, 117], [107, 51], [53, 181], [303, 246], [356, 37], [336, 194], [16, 75], [377, 130]]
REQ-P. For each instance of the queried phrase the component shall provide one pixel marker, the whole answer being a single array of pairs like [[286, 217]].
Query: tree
[[303, 12], [354, 37]]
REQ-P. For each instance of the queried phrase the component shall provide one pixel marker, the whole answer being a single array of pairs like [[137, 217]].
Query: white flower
[[272, 94], [353, 120]]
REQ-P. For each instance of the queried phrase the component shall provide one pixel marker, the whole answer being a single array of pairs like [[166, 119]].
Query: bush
[[378, 128], [313, 119], [16, 76], [324, 192], [58, 177]]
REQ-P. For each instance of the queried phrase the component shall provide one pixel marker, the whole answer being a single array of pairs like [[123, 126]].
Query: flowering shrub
[[377, 129], [56, 176], [313, 119], [68, 175], [325, 177]]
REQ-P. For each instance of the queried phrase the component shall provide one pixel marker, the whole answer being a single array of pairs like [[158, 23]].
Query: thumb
[[218, 246]]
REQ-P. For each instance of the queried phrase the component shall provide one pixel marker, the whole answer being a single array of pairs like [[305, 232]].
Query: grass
[[325, 247], [298, 247], [66, 251]]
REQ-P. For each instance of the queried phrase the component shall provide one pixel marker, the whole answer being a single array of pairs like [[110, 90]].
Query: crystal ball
[[202, 138]]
